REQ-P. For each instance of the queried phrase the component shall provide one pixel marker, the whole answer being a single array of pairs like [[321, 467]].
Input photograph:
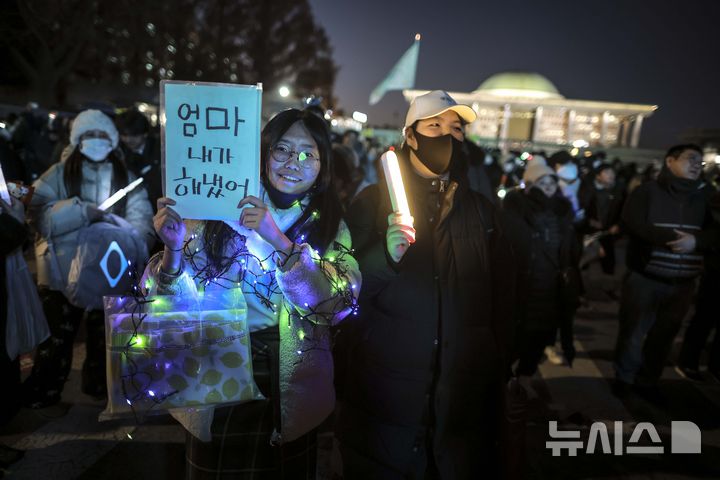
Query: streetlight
[[284, 91]]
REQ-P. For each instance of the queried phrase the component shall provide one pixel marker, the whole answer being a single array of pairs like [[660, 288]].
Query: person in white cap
[[540, 229], [65, 201], [421, 393]]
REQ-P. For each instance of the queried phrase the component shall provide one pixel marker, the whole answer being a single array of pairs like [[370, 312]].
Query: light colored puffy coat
[[307, 394], [58, 219]]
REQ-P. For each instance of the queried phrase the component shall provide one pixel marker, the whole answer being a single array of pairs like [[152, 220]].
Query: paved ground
[[67, 441]]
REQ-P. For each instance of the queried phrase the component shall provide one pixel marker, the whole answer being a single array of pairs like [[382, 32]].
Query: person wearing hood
[[65, 201], [540, 229], [568, 176], [669, 228], [422, 396]]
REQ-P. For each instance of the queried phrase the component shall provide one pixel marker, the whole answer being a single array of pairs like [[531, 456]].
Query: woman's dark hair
[[319, 231], [72, 176]]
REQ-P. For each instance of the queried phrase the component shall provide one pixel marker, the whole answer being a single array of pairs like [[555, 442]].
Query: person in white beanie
[[540, 229], [65, 201]]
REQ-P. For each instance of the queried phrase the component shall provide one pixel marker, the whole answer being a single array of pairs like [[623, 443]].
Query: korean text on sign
[[211, 147]]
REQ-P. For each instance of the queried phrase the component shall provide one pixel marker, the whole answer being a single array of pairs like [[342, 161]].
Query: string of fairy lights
[[263, 285]]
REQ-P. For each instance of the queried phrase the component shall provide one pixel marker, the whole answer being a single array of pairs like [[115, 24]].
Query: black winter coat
[[652, 214], [547, 252], [428, 356]]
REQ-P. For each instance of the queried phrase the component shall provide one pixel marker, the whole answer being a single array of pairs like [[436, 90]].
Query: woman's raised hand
[[168, 224], [258, 218]]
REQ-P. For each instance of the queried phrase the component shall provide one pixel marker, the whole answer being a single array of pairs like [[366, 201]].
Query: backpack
[[105, 254]]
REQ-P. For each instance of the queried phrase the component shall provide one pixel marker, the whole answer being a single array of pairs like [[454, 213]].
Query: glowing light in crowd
[[359, 117], [395, 185], [284, 91], [580, 144]]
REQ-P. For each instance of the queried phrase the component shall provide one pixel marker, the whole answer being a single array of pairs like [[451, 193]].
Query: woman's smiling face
[[294, 161]]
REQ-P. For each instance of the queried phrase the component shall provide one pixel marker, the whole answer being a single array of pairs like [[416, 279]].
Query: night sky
[[664, 53]]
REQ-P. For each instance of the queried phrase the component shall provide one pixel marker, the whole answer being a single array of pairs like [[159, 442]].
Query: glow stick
[[4, 194], [115, 197], [395, 186]]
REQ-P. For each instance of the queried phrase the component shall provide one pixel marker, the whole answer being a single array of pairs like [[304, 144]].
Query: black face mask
[[434, 152]]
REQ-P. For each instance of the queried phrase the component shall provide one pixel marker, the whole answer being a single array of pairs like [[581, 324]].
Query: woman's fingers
[[405, 230], [164, 202], [251, 200]]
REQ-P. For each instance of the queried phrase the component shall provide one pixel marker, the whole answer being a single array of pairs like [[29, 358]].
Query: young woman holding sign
[[290, 254]]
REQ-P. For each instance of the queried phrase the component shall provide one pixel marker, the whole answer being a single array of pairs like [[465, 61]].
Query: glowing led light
[[128, 402], [395, 185], [151, 393]]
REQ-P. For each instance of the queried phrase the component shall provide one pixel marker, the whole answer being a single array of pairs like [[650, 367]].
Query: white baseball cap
[[433, 104]]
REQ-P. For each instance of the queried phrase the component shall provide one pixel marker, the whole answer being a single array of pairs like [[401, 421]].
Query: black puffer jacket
[[652, 214], [547, 252], [429, 347]]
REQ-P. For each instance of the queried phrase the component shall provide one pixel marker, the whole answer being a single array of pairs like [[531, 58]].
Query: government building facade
[[520, 109]]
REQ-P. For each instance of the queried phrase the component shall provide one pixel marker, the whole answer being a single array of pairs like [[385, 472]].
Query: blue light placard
[[211, 146]]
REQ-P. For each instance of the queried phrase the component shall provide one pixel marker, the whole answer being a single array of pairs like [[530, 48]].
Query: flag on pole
[[402, 74]]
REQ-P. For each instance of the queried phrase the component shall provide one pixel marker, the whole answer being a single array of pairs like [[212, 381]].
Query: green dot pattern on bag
[[156, 371], [211, 377], [232, 360], [213, 317], [191, 338], [200, 351], [177, 382], [191, 367], [214, 333], [213, 397], [247, 392], [237, 326], [230, 388]]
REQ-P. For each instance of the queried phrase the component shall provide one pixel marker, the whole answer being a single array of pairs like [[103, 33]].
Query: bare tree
[[136, 43]]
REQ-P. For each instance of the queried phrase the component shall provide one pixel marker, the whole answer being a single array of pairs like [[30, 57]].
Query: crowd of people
[[418, 331]]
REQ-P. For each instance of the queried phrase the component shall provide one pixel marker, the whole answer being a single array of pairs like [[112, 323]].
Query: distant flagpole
[[402, 75]]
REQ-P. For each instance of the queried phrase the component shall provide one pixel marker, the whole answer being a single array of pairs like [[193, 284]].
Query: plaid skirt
[[240, 446]]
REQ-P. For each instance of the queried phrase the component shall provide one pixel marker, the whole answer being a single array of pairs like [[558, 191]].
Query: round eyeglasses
[[282, 154]]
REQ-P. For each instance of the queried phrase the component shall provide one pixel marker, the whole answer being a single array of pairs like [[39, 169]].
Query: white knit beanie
[[536, 169], [93, 120]]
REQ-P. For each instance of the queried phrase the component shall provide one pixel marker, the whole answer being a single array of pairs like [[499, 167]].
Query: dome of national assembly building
[[519, 84]]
